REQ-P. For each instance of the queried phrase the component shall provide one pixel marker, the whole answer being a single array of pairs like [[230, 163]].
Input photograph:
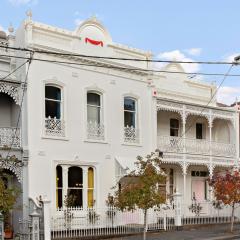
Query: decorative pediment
[[93, 32], [12, 90]]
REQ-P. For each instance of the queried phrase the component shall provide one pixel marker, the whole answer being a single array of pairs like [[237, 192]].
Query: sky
[[199, 30]]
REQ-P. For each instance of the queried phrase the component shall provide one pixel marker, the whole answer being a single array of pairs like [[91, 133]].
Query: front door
[[198, 190]]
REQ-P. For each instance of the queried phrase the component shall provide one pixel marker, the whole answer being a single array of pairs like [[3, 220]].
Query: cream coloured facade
[[86, 118]]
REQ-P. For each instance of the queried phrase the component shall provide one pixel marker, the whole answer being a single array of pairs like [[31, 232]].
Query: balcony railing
[[54, 127], [10, 137], [131, 135], [95, 131], [195, 146]]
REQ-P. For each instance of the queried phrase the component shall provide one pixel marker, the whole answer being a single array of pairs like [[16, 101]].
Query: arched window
[[131, 131], [75, 186], [54, 123], [94, 107], [129, 112], [95, 127], [90, 187], [59, 187], [53, 102]]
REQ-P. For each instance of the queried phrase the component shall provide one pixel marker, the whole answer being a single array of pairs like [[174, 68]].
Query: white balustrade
[[10, 137], [54, 127], [170, 144], [95, 131], [195, 146], [131, 134]]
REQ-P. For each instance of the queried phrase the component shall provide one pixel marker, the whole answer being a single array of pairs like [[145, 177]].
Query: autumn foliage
[[142, 187], [226, 187]]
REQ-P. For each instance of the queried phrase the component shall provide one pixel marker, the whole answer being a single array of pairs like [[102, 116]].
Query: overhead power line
[[103, 65], [21, 105], [8, 75], [116, 58], [204, 107]]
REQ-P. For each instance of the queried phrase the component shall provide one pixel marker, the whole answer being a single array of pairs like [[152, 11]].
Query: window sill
[[95, 141], [55, 138], [132, 144]]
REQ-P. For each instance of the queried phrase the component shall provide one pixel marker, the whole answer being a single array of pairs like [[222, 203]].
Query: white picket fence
[[78, 222]]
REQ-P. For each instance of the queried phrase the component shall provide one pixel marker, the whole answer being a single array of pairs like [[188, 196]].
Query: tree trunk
[[232, 217], [145, 225]]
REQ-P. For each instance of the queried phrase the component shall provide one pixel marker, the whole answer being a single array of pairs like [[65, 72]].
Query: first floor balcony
[[196, 146]]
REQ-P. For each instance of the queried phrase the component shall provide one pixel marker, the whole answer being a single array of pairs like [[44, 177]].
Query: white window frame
[[137, 118], [101, 92], [55, 83]]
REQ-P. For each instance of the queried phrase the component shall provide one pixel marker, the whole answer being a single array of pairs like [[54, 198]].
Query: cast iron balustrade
[[95, 131], [10, 137], [131, 135], [54, 127], [196, 146]]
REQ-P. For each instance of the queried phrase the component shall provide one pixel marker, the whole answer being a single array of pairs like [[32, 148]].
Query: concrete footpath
[[210, 232]]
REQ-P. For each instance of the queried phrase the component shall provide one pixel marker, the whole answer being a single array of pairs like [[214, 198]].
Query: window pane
[[173, 132], [75, 177], [129, 119], [93, 114], [129, 104], [59, 176], [77, 197], [199, 131], [52, 109], [90, 198], [53, 92], [174, 123], [90, 178], [59, 198], [93, 99]]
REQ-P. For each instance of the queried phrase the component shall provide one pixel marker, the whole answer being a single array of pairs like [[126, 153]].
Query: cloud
[[194, 51], [78, 21], [228, 94], [178, 55], [23, 2], [230, 58]]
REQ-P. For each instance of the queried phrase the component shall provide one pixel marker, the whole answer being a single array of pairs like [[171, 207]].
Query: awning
[[126, 163]]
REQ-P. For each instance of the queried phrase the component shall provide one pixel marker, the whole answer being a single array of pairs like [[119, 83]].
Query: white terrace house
[[87, 119], [12, 157]]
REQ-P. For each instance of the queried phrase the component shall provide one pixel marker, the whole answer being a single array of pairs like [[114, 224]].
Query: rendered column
[[65, 180], [35, 225], [85, 186], [47, 219], [178, 210]]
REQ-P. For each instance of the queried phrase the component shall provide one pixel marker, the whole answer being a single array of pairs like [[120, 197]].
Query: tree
[[141, 188], [226, 187], [8, 196]]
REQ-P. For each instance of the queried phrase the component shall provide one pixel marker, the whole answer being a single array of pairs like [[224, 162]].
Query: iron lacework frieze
[[12, 164], [11, 89]]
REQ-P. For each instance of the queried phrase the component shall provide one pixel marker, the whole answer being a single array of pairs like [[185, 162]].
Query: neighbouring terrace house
[[87, 119], [12, 156]]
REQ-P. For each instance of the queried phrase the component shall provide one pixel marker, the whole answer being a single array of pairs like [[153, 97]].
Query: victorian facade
[[88, 118], [12, 157]]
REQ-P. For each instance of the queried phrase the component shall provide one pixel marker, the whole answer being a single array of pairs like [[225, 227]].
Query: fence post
[[35, 224], [178, 210], [1, 227], [165, 221], [47, 219]]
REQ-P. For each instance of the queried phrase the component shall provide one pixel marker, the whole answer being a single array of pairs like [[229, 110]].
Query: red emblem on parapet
[[94, 42]]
